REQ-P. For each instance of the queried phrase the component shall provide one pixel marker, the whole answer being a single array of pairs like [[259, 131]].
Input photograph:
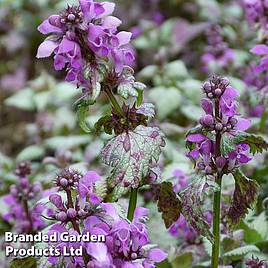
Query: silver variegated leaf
[[126, 89], [96, 89], [192, 200], [147, 109], [131, 154]]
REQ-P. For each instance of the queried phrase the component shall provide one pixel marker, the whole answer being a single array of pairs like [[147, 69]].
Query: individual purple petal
[[207, 106], [90, 177], [157, 255], [243, 158], [220, 161], [230, 93], [59, 62], [111, 22], [82, 190], [46, 49], [124, 37], [46, 27], [108, 8], [99, 252], [140, 212], [94, 199], [193, 154], [260, 50], [243, 124], [66, 46], [196, 137], [205, 147]]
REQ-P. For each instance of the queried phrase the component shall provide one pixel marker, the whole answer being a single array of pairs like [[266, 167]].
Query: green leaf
[[130, 154], [166, 100], [168, 204], [237, 253], [148, 72], [227, 145], [81, 112], [29, 262], [96, 90], [67, 142], [244, 196], [251, 235], [176, 70], [183, 261], [139, 98], [22, 100], [104, 122], [32, 152], [256, 143]]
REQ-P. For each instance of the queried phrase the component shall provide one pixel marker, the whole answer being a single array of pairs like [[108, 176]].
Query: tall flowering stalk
[[24, 213], [219, 146], [97, 57], [80, 210]]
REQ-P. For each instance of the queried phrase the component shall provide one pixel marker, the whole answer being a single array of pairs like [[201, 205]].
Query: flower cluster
[[127, 243], [85, 41], [258, 90], [220, 118], [256, 12], [256, 263], [262, 51], [23, 213], [218, 54]]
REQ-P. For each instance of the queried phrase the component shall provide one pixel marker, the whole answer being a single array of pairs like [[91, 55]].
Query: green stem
[[216, 225], [217, 197], [132, 203], [114, 102]]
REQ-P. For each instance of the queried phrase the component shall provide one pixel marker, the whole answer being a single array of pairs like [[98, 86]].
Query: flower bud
[[134, 255], [210, 95], [61, 216], [218, 126], [233, 121], [218, 92], [220, 162], [225, 81], [207, 87], [13, 190], [63, 182], [201, 165], [208, 169], [207, 120], [37, 187], [56, 200], [71, 17], [82, 213], [31, 195], [24, 182], [71, 213]]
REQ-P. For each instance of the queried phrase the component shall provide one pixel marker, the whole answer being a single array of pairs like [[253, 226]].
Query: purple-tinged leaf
[[168, 204], [131, 155], [244, 196], [192, 201]]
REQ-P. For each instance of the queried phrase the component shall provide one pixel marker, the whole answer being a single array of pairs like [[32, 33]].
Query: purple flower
[[83, 38], [261, 50], [218, 53], [228, 102], [86, 187], [181, 182], [239, 156]]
